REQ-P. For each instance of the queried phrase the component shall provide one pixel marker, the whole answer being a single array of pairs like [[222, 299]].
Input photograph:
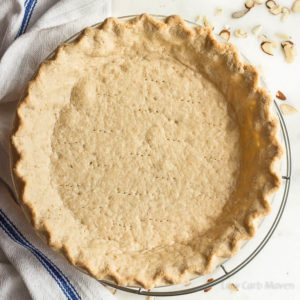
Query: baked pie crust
[[145, 151]]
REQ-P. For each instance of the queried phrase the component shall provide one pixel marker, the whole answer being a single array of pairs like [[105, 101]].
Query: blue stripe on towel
[[29, 7], [29, 15], [12, 231]]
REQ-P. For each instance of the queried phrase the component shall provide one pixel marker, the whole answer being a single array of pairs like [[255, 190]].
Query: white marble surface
[[279, 262]]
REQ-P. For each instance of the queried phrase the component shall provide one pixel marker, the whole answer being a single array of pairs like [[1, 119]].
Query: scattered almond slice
[[225, 34], [262, 38], [283, 36], [285, 12], [270, 4], [150, 298], [256, 29], [240, 13], [275, 10], [208, 289], [280, 95], [259, 2], [187, 283], [274, 44], [290, 51], [207, 24], [219, 11], [296, 6], [233, 287], [112, 290], [198, 19], [287, 109], [240, 33], [267, 47], [249, 4]]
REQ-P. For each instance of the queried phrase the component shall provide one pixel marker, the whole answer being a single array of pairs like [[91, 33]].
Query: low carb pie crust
[[145, 151]]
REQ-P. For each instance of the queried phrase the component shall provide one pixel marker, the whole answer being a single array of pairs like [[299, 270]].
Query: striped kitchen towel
[[29, 31]]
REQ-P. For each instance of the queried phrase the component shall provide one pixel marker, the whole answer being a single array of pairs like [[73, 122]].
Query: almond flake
[[187, 283], [274, 44], [257, 29], [259, 2], [207, 24], [240, 33], [287, 109], [240, 13], [249, 4], [208, 289], [283, 36], [285, 12], [262, 38], [233, 287], [267, 47], [275, 10], [270, 4], [150, 298], [219, 11], [296, 6], [225, 34], [198, 19], [112, 290], [280, 95], [290, 51]]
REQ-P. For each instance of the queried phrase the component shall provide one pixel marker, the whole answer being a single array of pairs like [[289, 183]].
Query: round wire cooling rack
[[251, 248]]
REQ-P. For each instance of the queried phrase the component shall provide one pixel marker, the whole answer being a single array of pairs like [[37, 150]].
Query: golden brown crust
[[243, 81]]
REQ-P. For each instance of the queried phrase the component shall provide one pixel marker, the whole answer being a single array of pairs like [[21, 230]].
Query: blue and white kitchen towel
[[29, 31]]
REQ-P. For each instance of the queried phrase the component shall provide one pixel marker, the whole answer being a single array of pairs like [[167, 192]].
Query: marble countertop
[[279, 261]]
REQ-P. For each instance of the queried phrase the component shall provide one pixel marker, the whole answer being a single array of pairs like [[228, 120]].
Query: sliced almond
[[289, 55], [285, 12], [225, 34], [112, 290], [270, 4], [208, 289], [274, 44], [257, 29], [287, 109], [283, 36], [296, 6], [262, 38], [287, 43], [198, 19], [267, 47], [280, 95], [233, 287], [290, 51], [240, 33], [219, 11], [275, 10], [150, 298], [187, 283], [207, 24], [259, 2], [240, 13], [249, 4]]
